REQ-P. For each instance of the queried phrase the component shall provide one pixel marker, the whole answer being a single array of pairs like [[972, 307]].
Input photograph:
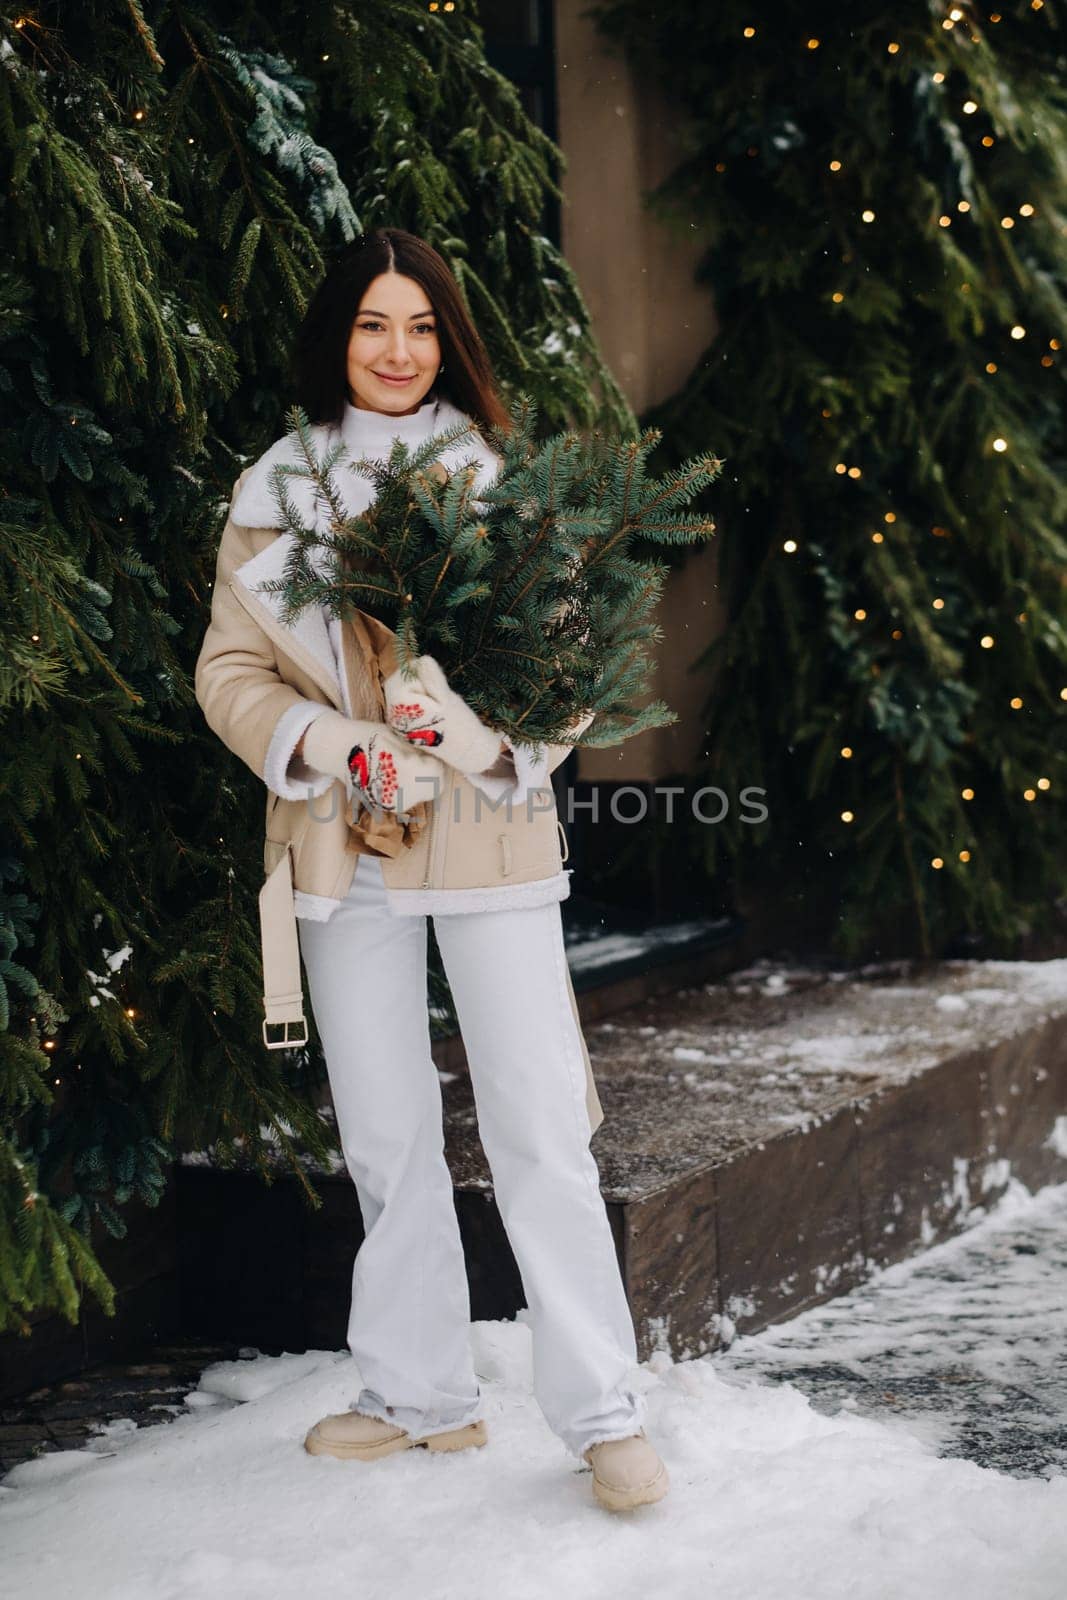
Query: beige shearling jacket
[[259, 680]]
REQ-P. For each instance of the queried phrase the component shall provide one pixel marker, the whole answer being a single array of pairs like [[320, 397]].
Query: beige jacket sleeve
[[237, 683]]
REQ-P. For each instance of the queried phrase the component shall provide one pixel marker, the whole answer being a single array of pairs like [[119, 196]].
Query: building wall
[[620, 137]]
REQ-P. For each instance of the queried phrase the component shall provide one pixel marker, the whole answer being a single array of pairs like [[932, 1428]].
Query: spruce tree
[[884, 192], [176, 178]]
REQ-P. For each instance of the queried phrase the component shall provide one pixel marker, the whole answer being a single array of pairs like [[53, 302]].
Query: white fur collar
[[364, 433]]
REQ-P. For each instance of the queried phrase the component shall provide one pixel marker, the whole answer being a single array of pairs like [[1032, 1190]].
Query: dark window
[[520, 45]]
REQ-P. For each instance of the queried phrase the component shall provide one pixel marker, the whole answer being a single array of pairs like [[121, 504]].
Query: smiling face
[[393, 349]]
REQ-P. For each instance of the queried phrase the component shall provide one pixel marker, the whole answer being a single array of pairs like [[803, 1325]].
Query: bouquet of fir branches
[[526, 591]]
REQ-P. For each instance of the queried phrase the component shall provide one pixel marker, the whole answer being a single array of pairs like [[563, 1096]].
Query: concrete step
[[771, 1139]]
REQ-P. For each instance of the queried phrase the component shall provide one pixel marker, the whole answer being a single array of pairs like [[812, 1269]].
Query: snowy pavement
[[771, 1497], [963, 1346]]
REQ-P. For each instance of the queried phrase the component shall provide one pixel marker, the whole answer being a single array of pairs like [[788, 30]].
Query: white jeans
[[409, 1322]]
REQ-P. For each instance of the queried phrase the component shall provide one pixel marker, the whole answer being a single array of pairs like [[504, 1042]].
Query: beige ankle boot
[[626, 1472], [353, 1436]]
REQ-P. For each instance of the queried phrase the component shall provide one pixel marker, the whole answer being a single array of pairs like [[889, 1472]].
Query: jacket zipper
[[444, 799]]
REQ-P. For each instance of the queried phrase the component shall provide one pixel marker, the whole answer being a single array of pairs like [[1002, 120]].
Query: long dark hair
[[319, 358]]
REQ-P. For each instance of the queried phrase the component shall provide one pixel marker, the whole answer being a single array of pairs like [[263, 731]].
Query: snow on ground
[[963, 1345], [770, 1497]]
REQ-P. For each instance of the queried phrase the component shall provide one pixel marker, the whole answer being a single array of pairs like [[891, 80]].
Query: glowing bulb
[[1015, 703], [965, 855], [967, 794], [860, 615], [790, 545], [847, 816], [846, 752], [1000, 444], [937, 863], [867, 216], [970, 107], [986, 641]]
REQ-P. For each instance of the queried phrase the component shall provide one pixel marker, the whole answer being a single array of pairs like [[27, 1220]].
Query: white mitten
[[371, 761], [427, 713]]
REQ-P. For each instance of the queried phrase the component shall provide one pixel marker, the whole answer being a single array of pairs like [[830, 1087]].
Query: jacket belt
[[283, 990]]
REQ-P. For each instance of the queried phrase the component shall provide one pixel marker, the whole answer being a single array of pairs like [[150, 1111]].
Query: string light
[[1029, 794], [970, 107], [846, 752], [867, 216], [813, 44], [860, 615], [789, 546], [986, 641], [892, 48], [937, 863], [991, 366], [848, 816], [1016, 703], [967, 794], [965, 855], [1044, 783], [938, 604], [835, 166], [749, 33], [1007, 222], [1000, 445], [877, 538]]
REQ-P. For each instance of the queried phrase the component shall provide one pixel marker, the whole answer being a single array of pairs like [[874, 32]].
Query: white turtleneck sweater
[[372, 434]]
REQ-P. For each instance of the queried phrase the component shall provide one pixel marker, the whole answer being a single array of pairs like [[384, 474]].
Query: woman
[[377, 817]]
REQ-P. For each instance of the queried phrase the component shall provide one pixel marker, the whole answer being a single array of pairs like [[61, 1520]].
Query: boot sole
[[472, 1435], [626, 1499]]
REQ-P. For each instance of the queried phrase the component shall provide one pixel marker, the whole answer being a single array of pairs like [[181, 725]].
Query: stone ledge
[[772, 1139]]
